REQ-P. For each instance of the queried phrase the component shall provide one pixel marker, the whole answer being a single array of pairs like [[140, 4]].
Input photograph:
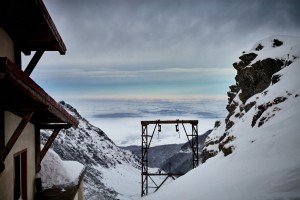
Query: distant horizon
[[120, 119], [144, 98], [196, 83]]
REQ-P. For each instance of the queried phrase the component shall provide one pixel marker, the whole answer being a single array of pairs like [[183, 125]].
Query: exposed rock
[[217, 124], [248, 106], [259, 47], [247, 58], [231, 95], [229, 124], [278, 100], [239, 65], [263, 107], [207, 154], [277, 43], [222, 137], [234, 88], [275, 78], [257, 78], [231, 108], [227, 150]]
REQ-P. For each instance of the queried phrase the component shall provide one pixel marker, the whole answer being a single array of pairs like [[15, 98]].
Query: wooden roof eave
[[10, 73], [30, 26], [52, 27]]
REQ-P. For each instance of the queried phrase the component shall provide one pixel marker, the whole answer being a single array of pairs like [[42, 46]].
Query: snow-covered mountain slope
[[181, 161], [254, 153], [157, 155], [109, 168], [175, 158]]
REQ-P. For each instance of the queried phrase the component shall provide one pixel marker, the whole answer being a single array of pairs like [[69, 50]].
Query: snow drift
[[58, 173]]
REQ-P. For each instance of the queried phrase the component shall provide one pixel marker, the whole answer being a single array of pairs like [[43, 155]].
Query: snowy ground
[[265, 165], [128, 189]]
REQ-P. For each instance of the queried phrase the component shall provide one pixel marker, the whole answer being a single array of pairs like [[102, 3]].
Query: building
[[25, 108]]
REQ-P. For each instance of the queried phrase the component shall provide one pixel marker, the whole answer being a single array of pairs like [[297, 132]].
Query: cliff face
[[258, 70]]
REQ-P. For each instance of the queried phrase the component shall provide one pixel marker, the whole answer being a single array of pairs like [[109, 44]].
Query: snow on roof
[[58, 173]]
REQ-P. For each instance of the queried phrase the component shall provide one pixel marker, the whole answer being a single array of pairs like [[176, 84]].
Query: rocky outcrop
[[257, 77], [257, 70]]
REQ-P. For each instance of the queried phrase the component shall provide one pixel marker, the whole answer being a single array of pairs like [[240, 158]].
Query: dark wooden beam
[[54, 126], [37, 149], [11, 106], [2, 140], [18, 56], [49, 143], [16, 134], [33, 62]]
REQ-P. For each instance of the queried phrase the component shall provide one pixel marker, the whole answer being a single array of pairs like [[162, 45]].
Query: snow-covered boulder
[[60, 179], [58, 173]]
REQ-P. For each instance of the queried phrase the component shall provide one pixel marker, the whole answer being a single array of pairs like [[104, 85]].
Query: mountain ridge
[[90, 146]]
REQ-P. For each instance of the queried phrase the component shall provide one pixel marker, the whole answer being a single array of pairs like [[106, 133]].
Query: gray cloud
[[168, 32]]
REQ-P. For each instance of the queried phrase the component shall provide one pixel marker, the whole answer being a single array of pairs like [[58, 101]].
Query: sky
[[156, 48]]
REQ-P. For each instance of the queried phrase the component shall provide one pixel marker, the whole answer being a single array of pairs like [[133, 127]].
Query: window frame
[[20, 172]]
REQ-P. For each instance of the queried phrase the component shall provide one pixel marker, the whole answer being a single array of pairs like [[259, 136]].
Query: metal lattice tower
[[146, 141]]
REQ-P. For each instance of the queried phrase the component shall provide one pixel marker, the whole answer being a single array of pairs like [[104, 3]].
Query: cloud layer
[[121, 119]]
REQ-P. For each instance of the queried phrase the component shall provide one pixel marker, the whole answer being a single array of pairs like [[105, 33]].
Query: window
[[20, 176]]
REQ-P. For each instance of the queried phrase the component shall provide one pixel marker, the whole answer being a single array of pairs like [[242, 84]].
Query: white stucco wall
[[25, 142], [6, 45]]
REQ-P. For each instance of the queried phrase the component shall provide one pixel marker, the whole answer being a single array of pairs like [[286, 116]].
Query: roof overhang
[[20, 94], [30, 26]]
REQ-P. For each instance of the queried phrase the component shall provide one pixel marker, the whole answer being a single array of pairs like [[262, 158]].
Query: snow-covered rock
[[259, 88], [254, 153]]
